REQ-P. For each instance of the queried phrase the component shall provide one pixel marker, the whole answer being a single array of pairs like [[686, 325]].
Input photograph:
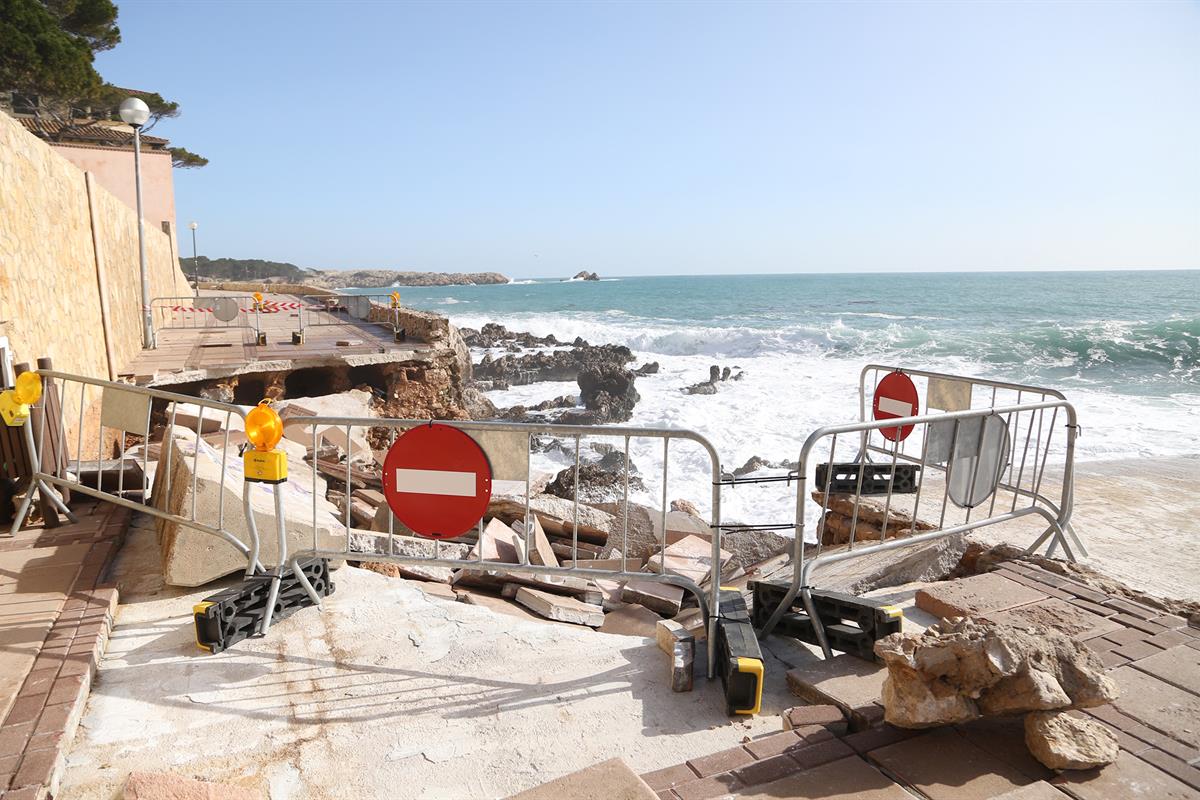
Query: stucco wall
[[112, 168], [62, 238]]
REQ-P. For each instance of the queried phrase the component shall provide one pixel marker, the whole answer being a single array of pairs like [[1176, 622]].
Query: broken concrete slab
[[872, 511], [560, 608], [193, 558], [690, 557], [556, 515], [608, 780], [630, 620], [978, 594], [664, 598], [540, 551]]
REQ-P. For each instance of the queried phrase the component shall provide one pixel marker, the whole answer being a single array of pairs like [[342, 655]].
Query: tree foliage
[[47, 49], [244, 269]]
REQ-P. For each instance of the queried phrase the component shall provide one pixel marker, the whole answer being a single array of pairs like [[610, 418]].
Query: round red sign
[[437, 481], [895, 396]]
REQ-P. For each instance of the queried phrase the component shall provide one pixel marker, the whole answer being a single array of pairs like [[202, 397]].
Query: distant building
[[105, 149]]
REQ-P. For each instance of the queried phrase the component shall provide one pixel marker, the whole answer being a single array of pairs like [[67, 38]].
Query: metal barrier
[[132, 411], [522, 436], [222, 311], [983, 446], [318, 310]]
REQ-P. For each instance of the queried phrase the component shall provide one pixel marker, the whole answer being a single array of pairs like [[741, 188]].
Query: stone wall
[[69, 275]]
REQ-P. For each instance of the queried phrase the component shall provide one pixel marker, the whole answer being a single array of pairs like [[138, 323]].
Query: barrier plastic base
[[739, 658], [236, 613], [852, 624], [874, 479]]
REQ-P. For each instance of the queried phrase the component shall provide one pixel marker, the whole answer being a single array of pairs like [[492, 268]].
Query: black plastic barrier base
[[236, 613], [739, 658], [868, 478], [852, 624]]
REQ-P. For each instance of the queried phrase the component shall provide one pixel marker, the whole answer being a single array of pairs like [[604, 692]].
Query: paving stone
[[1168, 639], [1126, 636], [1095, 607], [1180, 770], [722, 761], [845, 779], [1158, 704], [1034, 791], [1004, 738], [1112, 660], [667, 777], [944, 765], [1179, 666], [767, 770], [975, 595], [845, 681], [608, 780], [1137, 623], [821, 753], [1128, 778], [864, 742], [801, 716], [1129, 607], [1057, 615], [1137, 651], [775, 744], [723, 785]]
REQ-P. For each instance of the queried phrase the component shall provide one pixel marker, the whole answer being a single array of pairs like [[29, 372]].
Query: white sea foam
[[798, 378]]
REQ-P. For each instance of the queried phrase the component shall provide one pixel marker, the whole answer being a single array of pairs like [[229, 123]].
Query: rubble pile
[[840, 520]]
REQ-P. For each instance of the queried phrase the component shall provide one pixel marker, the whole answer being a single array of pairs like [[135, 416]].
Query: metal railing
[[522, 436], [222, 311], [133, 411], [981, 449], [317, 310]]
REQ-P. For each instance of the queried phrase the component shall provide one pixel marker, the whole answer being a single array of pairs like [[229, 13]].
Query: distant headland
[[253, 269]]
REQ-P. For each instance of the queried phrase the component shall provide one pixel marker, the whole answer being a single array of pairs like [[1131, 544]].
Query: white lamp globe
[[193, 226], [134, 112]]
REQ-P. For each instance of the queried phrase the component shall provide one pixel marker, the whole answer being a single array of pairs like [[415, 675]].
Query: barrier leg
[[276, 578], [303, 579], [252, 565], [818, 626]]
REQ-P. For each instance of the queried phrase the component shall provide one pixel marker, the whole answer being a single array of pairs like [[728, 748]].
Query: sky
[[539, 139]]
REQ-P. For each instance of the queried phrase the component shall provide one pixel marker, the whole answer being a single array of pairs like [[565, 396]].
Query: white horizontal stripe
[[435, 481], [896, 407]]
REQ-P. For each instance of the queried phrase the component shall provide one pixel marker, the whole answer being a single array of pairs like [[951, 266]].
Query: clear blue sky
[[632, 138]]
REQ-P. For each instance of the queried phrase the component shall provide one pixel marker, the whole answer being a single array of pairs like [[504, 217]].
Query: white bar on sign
[[890, 406], [435, 481]]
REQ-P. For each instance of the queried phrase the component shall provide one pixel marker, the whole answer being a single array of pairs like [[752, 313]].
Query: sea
[[1123, 346]]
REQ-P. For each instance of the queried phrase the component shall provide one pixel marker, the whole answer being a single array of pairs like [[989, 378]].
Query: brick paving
[[1154, 657], [45, 710]]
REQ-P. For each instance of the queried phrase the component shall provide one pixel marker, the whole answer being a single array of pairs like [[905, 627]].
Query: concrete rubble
[[1061, 741]]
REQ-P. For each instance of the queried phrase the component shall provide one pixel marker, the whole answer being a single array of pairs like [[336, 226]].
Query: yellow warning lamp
[[395, 299], [15, 402], [258, 301], [264, 429]]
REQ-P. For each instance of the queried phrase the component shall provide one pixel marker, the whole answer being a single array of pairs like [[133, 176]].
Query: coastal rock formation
[[715, 375], [649, 368], [559, 365], [584, 275], [597, 484], [607, 391], [495, 335], [963, 669], [1061, 741]]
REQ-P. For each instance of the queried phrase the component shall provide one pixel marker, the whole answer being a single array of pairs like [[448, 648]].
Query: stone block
[[608, 780], [193, 558], [631, 620], [844, 681], [560, 608], [661, 597], [976, 595]]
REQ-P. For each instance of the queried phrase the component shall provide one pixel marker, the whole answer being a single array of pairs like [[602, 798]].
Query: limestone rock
[[962, 669], [872, 511], [1061, 741]]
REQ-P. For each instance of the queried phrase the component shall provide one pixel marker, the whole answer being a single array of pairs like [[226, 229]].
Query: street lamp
[[135, 113], [195, 267]]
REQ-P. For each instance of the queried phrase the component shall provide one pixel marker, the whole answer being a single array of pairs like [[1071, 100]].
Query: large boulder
[[196, 481], [597, 484], [963, 669], [1061, 741]]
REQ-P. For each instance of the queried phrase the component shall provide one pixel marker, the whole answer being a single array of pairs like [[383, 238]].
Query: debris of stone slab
[[827, 716], [845, 681], [754, 547], [440, 591], [608, 780], [168, 786], [630, 620], [871, 511], [354, 448], [1062, 741], [667, 632], [296, 431], [683, 664], [372, 497], [693, 621], [960, 670], [932, 561], [556, 515], [499, 542], [540, 552], [188, 415], [361, 514], [686, 506], [690, 557], [664, 598], [612, 564], [978, 594], [560, 608], [642, 538], [193, 558], [349, 342]]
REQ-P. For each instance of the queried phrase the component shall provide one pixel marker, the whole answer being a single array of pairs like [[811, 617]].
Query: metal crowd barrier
[[318, 310], [128, 410], [522, 436], [223, 311], [998, 438]]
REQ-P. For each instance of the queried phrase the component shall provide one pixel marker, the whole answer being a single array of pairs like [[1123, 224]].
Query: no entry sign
[[437, 481], [895, 396]]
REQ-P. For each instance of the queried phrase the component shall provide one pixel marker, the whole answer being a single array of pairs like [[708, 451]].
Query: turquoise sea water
[[1124, 347]]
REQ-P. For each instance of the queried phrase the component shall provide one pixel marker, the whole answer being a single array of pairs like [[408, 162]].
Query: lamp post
[[135, 113], [195, 266]]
